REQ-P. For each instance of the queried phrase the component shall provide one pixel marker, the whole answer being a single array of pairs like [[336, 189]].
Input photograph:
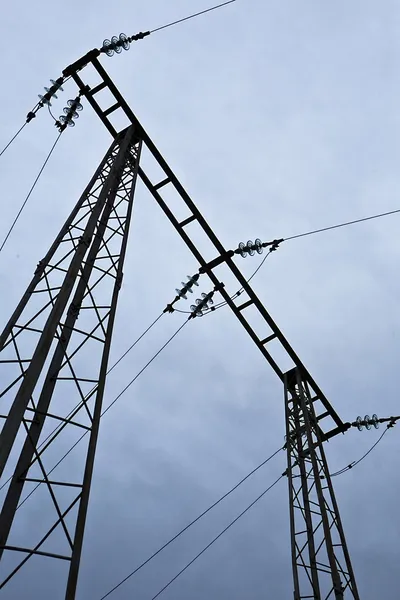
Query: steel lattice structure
[[320, 558], [47, 378], [44, 355]]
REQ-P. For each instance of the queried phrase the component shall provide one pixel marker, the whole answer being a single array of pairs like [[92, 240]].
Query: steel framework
[[320, 558], [42, 351], [47, 377]]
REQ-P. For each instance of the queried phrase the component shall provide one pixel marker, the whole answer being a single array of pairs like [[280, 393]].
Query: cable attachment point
[[45, 99], [202, 304], [71, 113], [181, 293], [116, 44], [274, 244], [139, 36]]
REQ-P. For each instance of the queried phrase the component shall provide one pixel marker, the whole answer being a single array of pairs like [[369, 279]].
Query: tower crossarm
[[267, 336]]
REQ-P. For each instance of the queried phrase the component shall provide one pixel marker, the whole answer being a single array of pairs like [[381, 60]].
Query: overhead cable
[[378, 216], [109, 406], [293, 237], [357, 462], [145, 562], [216, 538], [29, 193], [12, 139], [202, 12]]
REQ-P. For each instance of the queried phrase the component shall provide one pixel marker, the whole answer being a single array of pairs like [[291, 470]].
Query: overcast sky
[[278, 117]]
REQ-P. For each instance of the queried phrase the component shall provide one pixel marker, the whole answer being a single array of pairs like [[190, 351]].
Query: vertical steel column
[[320, 558], [85, 263]]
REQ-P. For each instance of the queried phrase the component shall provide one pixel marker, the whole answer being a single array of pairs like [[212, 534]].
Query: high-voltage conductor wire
[[345, 224], [202, 12], [217, 537], [344, 470], [356, 462], [200, 516], [30, 192], [12, 139]]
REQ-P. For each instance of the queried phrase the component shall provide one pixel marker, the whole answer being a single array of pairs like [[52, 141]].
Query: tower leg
[[55, 366], [320, 558]]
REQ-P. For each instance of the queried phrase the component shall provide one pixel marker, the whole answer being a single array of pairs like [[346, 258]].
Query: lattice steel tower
[[54, 354]]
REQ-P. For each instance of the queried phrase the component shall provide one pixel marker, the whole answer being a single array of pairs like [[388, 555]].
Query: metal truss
[[53, 360], [55, 369], [173, 199], [320, 558]]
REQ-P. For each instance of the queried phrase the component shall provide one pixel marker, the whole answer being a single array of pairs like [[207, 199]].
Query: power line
[[190, 524], [109, 406], [29, 193], [356, 462], [202, 12], [216, 538], [134, 344], [293, 237], [12, 139], [378, 216]]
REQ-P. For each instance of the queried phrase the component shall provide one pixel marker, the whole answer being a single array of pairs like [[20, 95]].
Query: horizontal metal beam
[[170, 180]]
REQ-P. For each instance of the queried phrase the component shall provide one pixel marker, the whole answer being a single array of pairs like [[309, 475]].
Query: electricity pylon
[[44, 352], [54, 356], [320, 558]]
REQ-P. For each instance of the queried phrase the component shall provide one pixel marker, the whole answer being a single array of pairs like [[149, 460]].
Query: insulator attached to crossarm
[[187, 287], [202, 304], [71, 113], [373, 421], [258, 246], [45, 99], [367, 422], [51, 92], [182, 292], [116, 44]]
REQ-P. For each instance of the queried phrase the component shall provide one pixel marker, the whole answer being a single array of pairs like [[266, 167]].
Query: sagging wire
[[29, 193], [217, 537], [345, 224], [390, 425], [202, 12], [235, 487], [12, 139], [68, 119]]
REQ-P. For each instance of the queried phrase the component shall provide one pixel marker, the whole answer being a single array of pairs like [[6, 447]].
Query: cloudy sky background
[[278, 118]]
